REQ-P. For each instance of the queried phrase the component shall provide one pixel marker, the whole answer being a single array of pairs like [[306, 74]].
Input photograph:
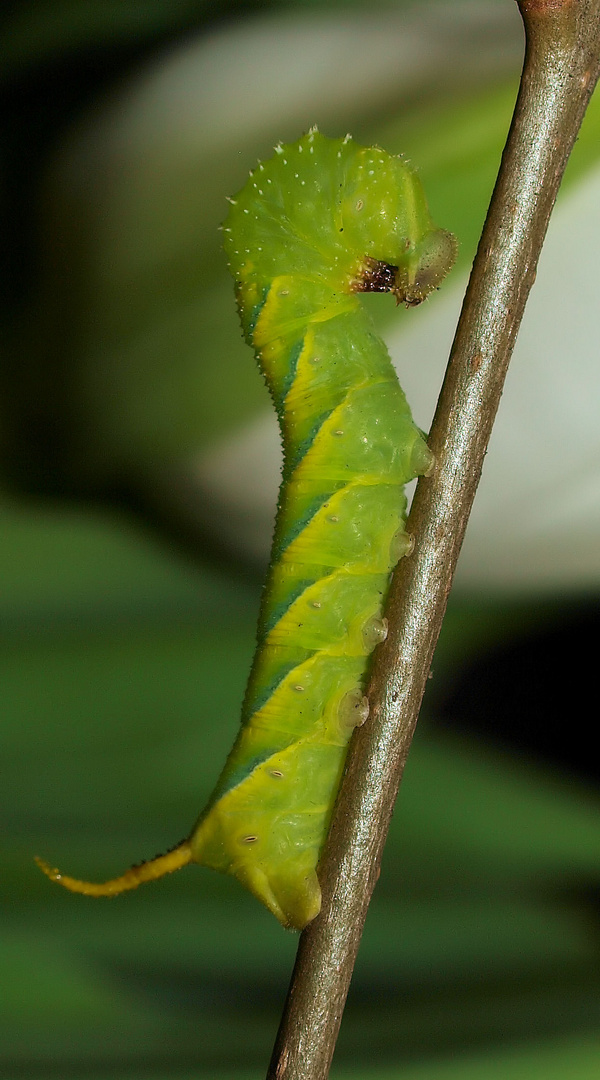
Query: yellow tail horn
[[146, 871]]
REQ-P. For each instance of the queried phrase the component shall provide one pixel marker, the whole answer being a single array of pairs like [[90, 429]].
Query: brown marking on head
[[375, 276]]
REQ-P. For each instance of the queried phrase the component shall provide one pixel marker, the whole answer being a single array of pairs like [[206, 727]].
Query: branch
[[560, 71]]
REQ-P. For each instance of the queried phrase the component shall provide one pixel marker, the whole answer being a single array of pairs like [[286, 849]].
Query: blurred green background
[[127, 612]]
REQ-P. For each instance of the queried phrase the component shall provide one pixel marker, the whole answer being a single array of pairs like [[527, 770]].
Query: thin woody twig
[[560, 71]]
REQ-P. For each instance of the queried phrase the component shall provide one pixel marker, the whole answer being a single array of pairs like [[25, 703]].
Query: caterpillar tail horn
[[146, 871]]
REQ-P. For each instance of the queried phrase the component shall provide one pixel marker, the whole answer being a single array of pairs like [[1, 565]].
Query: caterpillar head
[[424, 268]]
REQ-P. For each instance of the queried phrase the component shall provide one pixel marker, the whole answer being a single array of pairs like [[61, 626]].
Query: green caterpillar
[[322, 221]]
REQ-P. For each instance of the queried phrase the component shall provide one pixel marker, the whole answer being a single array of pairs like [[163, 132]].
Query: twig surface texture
[[559, 74]]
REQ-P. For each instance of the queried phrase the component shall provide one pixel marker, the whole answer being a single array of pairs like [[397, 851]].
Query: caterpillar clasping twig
[[322, 221]]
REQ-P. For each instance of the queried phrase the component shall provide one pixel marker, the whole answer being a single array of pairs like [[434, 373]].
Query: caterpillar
[[316, 225]]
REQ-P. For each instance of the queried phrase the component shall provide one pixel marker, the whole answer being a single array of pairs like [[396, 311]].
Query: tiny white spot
[[299, 689], [278, 149], [315, 604], [259, 191], [246, 211], [283, 292], [371, 172], [333, 517], [338, 432]]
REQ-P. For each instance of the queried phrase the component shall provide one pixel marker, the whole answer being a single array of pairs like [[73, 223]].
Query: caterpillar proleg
[[317, 224]]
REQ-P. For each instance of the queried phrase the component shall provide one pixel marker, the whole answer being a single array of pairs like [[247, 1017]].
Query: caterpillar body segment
[[322, 221]]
